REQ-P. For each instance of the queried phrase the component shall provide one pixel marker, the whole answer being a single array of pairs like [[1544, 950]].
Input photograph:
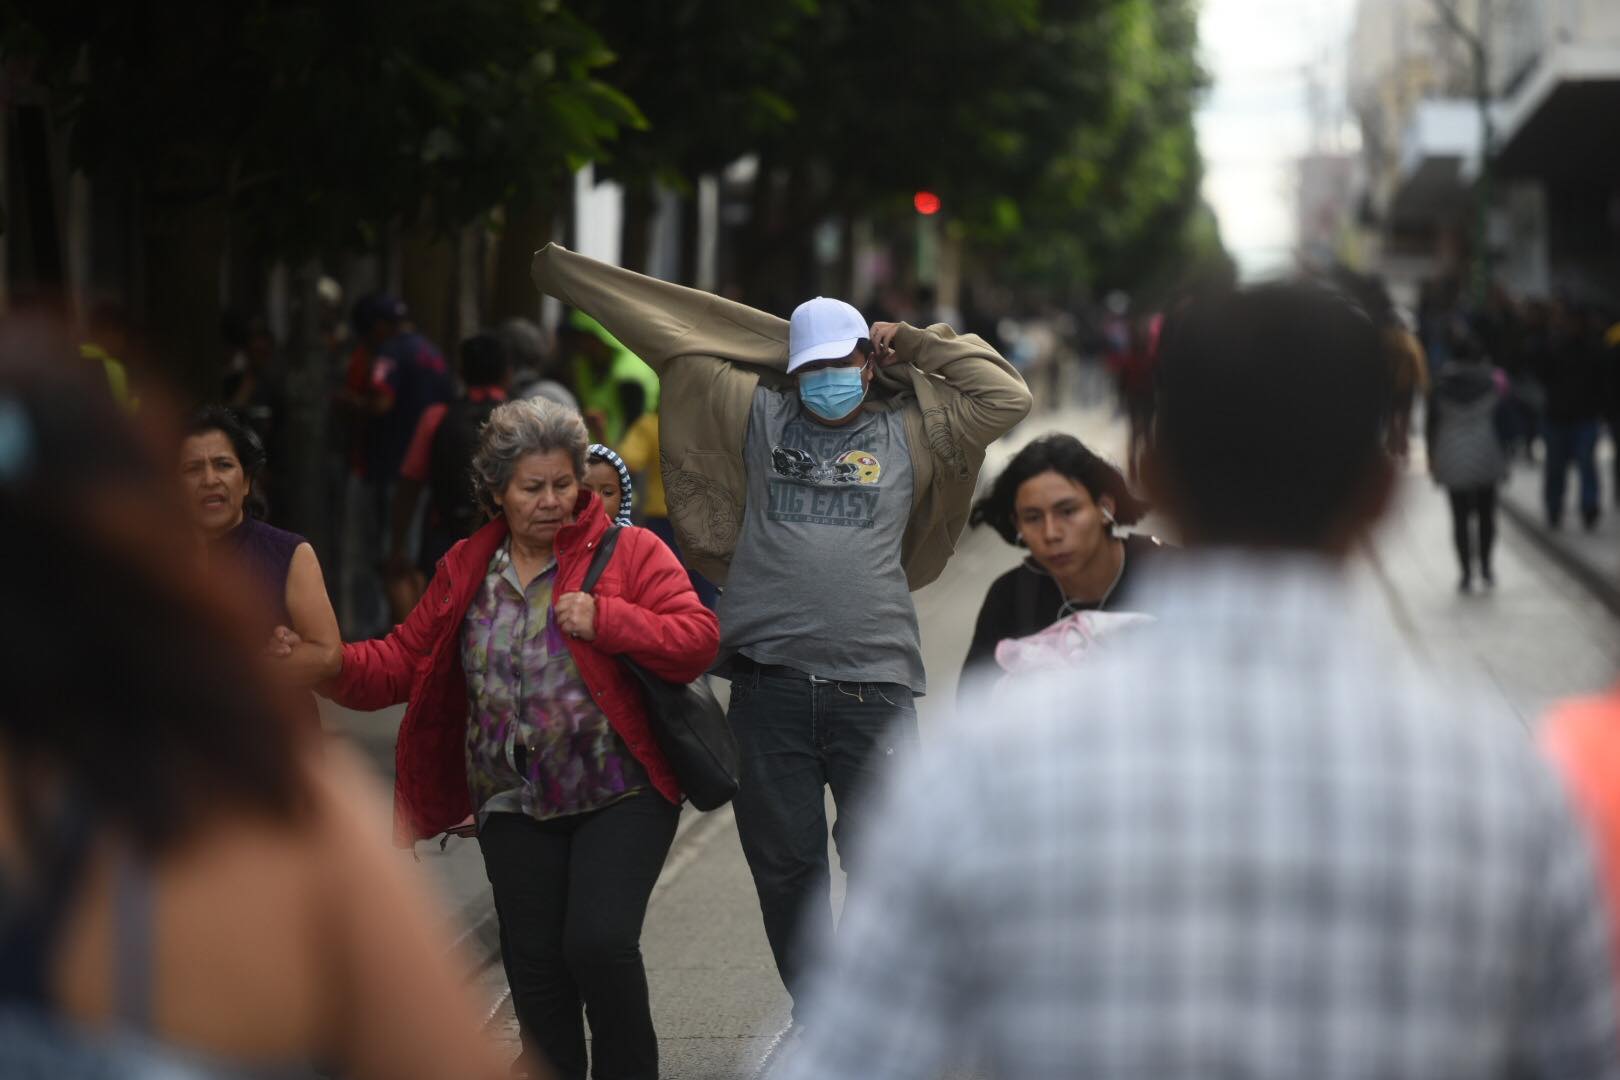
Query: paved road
[[716, 1000]]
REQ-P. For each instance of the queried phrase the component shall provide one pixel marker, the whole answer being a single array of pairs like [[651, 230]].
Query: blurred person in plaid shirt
[[1256, 842]]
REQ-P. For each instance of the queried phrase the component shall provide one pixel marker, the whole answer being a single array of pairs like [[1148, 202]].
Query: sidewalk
[[455, 871], [1591, 557]]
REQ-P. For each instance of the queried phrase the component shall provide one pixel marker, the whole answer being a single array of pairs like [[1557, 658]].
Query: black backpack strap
[[599, 561]]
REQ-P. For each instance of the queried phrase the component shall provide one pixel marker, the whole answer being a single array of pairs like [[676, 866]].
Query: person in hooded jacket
[[608, 476], [1466, 456]]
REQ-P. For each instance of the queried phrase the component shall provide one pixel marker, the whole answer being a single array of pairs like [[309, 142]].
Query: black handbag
[[687, 721]]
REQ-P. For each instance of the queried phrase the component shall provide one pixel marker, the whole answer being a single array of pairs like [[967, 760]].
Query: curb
[[1602, 588]]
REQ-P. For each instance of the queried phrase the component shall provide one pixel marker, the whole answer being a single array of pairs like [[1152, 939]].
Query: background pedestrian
[[608, 476], [1570, 365], [1466, 455], [439, 461]]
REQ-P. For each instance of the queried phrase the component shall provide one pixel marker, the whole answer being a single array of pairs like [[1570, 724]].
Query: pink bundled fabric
[[1064, 644]]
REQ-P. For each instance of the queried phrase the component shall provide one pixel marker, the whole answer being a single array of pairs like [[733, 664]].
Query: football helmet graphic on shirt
[[851, 467]]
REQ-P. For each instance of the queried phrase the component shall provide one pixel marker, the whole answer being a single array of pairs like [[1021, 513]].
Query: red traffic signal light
[[926, 202]]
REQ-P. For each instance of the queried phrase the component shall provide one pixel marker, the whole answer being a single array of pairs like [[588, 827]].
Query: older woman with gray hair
[[524, 727]]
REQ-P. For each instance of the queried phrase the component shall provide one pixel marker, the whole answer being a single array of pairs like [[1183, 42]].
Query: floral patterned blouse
[[537, 744]]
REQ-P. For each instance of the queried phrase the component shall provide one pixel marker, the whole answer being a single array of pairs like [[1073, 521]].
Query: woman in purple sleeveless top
[[219, 460]]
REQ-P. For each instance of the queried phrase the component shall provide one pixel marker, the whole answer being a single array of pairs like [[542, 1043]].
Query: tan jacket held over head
[[957, 393]]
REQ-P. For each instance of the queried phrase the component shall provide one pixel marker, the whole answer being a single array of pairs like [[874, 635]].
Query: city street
[[717, 1002], [316, 320]]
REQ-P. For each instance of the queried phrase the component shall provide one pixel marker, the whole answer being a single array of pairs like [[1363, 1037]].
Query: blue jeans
[[1570, 443], [798, 735]]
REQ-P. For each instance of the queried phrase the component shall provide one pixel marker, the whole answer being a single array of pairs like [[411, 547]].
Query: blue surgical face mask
[[832, 393]]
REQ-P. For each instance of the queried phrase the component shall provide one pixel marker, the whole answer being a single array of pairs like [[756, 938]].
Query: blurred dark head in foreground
[[128, 688], [1271, 413]]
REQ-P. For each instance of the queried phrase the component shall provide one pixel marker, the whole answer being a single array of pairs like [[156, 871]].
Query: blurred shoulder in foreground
[[191, 882]]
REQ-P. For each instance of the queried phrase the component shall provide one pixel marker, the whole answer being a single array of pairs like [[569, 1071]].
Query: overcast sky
[[1263, 55]]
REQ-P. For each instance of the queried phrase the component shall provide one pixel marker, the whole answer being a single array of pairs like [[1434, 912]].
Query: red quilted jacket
[[645, 609]]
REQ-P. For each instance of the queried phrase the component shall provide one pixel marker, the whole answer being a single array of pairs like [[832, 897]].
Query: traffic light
[[926, 203]]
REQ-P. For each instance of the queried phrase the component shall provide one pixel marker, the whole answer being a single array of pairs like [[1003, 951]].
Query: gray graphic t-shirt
[[816, 581]]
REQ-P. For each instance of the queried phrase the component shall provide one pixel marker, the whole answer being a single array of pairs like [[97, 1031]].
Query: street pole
[[1487, 150], [1476, 41]]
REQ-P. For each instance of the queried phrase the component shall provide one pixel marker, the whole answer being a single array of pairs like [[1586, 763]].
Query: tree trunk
[[427, 272], [636, 223], [183, 245], [34, 191], [690, 240], [302, 492], [528, 227]]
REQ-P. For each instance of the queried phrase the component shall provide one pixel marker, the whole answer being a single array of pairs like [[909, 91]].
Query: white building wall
[[598, 216]]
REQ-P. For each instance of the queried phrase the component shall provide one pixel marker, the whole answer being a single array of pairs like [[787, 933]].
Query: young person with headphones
[[1065, 504]]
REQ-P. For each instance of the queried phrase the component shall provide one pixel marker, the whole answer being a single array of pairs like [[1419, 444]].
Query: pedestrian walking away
[[1571, 367], [1066, 505], [819, 469], [220, 459], [439, 460], [190, 885], [523, 721], [1466, 455], [406, 375], [1258, 843]]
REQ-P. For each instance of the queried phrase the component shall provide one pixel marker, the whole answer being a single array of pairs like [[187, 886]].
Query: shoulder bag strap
[[599, 561]]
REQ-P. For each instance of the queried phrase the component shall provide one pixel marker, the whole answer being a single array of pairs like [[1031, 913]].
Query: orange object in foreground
[[1582, 736]]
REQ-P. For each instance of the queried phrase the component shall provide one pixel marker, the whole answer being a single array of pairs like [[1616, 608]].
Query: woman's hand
[[576, 615], [283, 640], [883, 343], [319, 663]]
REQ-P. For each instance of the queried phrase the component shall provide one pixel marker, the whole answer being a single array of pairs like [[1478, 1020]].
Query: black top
[[265, 553], [1026, 600], [453, 502]]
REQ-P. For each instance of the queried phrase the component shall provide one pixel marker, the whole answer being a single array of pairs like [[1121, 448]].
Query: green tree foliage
[[315, 124], [1058, 133], [1116, 198], [709, 75]]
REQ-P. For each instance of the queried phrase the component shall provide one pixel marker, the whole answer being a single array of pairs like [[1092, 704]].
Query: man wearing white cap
[[821, 470]]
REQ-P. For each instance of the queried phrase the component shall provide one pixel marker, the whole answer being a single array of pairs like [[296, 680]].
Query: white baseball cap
[[823, 329]]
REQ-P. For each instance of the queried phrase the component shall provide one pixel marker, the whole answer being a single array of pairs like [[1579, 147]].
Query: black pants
[[571, 894], [1468, 504], [797, 737]]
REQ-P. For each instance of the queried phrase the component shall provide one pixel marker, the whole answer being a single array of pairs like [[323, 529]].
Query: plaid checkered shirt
[[1251, 841]]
